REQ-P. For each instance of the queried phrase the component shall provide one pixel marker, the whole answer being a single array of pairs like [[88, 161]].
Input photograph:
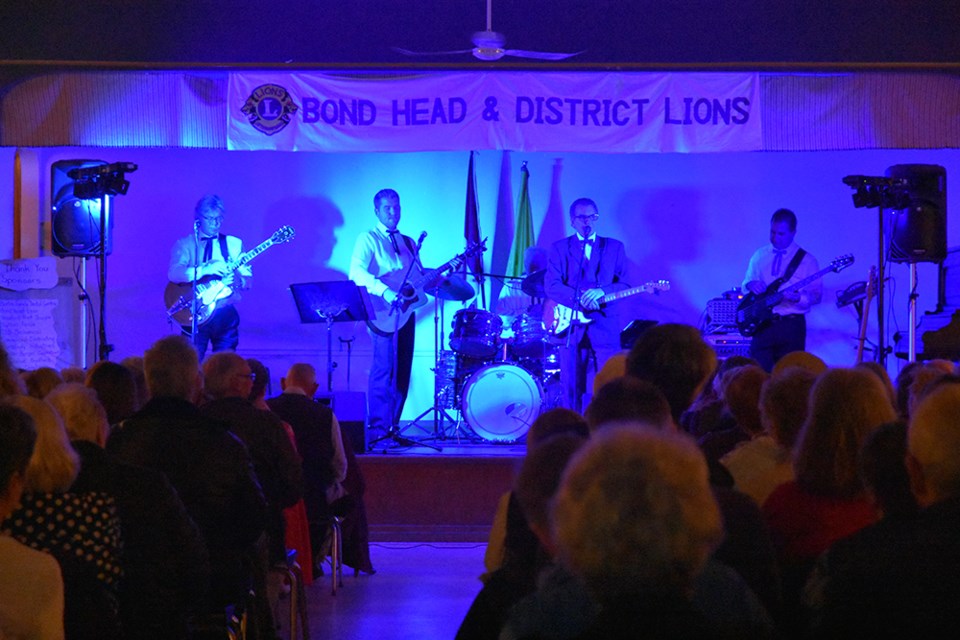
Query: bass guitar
[[557, 318], [412, 294], [755, 311], [211, 290]]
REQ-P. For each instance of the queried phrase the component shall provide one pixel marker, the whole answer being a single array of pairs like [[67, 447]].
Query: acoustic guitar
[[211, 290], [412, 294]]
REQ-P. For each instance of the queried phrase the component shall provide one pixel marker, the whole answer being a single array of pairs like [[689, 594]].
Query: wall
[[692, 219]]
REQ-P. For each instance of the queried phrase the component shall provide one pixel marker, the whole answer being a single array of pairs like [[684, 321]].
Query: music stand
[[329, 302]]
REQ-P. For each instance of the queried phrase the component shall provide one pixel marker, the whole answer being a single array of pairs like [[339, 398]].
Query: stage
[[420, 494]]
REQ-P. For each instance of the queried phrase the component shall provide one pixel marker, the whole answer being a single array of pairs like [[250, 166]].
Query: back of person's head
[[933, 440], [742, 396], [73, 374], [922, 379], [902, 385], [883, 469], [802, 359], [171, 368], [629, 399], [219, 374], [42, 381], [302, 376], [136, 367], [615, 367], [845, 406], [11, 384], [115, 388], [880, 371], [539, 477], [18, 436], [54, 464], [634, 513], [83, 415], [554, 422], [783, 404], [261, 379], [676, 358]]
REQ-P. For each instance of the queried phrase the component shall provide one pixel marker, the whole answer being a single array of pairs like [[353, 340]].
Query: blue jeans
[[386, 395]]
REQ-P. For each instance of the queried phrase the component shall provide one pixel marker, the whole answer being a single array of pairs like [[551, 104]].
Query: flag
[[471, 227], [523, 230]]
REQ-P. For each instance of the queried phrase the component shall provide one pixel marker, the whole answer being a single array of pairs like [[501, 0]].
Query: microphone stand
[[196, 270]]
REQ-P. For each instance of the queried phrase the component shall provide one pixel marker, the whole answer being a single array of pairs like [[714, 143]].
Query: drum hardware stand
[[439, 413], [349, 343]]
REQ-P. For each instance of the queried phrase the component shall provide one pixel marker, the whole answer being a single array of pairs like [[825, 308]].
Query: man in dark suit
[[319, 443], [581, 269]]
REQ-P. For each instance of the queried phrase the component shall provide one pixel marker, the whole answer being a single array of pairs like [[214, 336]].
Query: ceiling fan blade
[[539, 55], [407, 52]]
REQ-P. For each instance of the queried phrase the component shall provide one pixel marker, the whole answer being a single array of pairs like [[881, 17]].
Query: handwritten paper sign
[[35, 273], [26, 325]]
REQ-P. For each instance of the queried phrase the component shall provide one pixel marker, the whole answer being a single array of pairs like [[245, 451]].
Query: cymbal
[[532, 285], [453, 287]]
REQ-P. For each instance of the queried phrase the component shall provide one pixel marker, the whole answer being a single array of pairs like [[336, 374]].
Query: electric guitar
[[411, 295], [179, 297], [870, 290], [755, 311], [557, 318]]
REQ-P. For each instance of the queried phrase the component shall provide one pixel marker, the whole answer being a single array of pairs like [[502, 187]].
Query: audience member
[[73, 374], [921, 379], [615, 367], [763, 463], [528, 548], [803, 359], [80, 529], [905, 582], [881, 372], [135, 365], [207, 465], [41, 381], [741, 396], [826, 501], [629, 399], [320, 444], [116, 389], [902, 385], [31, 588], [11, 384], [635, 519], [707, 412]]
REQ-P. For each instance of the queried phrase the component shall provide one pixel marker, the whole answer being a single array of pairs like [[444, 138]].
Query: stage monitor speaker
[[76, 223], [350, 407], [919, 232]]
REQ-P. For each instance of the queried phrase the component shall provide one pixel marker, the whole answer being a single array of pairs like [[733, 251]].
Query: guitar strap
[[794, 263]]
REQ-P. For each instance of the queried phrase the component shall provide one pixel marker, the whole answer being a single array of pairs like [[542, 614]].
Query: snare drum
[[529, 336], [475, 333], [501, 401]]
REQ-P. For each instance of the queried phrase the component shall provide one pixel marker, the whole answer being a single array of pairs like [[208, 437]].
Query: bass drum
[[501, 401]]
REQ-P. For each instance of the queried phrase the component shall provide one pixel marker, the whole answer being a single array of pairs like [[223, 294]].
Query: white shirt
[[374, 257], [31, 593], [761, 268]]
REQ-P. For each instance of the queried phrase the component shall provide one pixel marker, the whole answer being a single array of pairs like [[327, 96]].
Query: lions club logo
[[269, 108]]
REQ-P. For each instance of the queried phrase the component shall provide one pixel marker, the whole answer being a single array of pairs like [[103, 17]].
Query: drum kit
[[499, 373]]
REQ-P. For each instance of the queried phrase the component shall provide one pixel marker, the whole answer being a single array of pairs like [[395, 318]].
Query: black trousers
[[782, 336], [222, 331]]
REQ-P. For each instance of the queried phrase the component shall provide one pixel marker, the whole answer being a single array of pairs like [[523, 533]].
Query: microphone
[[423, 235]]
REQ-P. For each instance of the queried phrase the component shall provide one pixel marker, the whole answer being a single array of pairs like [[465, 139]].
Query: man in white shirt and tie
[[787, 331], [204, 257]]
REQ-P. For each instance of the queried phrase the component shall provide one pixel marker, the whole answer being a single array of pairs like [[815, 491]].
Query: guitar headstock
[[474, 248], [871, 288], [657, 285], [283, 234], [841, 263]]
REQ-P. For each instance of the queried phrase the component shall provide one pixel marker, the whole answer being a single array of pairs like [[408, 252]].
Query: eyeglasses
[[593, 217], [212, 218]]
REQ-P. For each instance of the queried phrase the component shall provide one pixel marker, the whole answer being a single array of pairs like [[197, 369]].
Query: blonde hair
[[845, 406], [635, 511], [933, 439], [83, 415], [54, 464]]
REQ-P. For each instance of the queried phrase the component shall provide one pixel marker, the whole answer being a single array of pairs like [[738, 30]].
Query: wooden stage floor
[[417, 493]]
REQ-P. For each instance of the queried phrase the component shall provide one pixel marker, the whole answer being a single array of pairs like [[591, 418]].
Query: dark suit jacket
[[606, 270], [312, 423]]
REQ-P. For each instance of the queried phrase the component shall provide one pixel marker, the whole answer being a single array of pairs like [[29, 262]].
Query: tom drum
[[476, 333]]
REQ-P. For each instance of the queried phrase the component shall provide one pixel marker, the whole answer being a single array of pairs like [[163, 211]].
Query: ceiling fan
[[488, 46]]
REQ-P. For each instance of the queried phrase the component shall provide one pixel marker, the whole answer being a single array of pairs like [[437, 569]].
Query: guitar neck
[[802, 283], [626, 293], [250, 255]]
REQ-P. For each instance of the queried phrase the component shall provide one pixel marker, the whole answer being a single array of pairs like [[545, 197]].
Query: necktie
[[393, 239], [778, 260], [207, 249]]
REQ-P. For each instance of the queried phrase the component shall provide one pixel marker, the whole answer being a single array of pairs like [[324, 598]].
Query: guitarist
[[788, 329], [203, 256], [581, 269], [379, 253]]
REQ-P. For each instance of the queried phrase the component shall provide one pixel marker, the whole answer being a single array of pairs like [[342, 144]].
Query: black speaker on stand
[[919, 232], [75, 227]]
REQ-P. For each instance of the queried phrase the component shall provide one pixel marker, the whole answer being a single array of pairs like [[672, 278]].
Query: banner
[[519, 111]]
